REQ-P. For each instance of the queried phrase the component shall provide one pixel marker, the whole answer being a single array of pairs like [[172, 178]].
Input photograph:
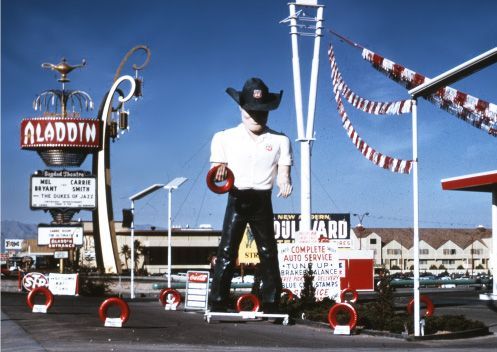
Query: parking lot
[[73, 325]]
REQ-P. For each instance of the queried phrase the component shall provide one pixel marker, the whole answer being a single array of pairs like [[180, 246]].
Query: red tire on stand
[[430, 307], [211, 183], [252, 298], [332, 315], [114, 301], [43, 290], [355, 295], [169, 291], [288, 294]]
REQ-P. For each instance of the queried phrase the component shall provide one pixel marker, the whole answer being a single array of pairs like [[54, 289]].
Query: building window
[[477, 251], [372, 241], [423, 261], [424, 251], [448, 261], [449, 251], [393, 251]]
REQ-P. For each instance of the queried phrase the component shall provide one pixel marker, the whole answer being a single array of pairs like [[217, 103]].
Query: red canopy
[[481, 182]]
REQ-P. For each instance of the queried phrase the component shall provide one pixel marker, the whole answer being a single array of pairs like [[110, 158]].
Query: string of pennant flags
[[399, 107], [470, 109], [477, 112], [369, 106]]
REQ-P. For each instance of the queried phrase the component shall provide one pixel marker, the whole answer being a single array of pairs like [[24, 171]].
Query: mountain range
[[11, 229]]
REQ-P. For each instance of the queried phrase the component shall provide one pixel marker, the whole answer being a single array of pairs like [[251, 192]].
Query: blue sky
[[200, 48]]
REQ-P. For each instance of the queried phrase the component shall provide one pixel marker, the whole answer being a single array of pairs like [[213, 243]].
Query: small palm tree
[[138, 252], [126, 252]]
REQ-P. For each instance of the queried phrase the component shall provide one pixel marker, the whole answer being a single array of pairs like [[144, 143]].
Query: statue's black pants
[[254, 208]]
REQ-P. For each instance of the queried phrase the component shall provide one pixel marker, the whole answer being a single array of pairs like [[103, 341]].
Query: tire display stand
[[246, 315]]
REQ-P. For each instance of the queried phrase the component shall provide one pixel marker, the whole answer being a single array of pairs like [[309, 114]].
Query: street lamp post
[[360, 217], [134, 197], [174, 184]]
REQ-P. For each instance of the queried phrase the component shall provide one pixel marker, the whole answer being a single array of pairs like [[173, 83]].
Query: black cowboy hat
[[255, 96]]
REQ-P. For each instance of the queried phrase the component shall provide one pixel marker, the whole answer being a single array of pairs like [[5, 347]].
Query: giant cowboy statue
[[256, 156]]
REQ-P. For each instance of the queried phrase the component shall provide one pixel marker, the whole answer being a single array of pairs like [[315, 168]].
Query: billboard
[[63, 189], [332, 227], [63, 234]]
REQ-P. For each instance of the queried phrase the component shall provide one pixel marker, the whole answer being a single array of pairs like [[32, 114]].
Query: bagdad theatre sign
[[63, 189], [332, 227]]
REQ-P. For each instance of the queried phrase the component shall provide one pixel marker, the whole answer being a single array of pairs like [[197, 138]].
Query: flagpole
[[415, 195]]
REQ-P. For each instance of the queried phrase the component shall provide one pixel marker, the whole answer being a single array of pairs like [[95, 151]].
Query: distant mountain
[[17, 230]]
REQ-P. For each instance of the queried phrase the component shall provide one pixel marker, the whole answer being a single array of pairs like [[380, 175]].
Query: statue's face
[[254, 121]]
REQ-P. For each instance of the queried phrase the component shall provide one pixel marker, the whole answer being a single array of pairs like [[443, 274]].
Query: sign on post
[[197, 290], [13, 244], [294, 259], [61, 243], [63, 284], [48, 232], [63, 189]]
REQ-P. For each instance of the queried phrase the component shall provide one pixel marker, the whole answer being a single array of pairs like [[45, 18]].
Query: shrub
[[92, 286]]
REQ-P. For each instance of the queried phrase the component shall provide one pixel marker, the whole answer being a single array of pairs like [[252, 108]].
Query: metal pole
[[132, 286], [415, 215], [314, 75], [494, 242], [169, 222], [297, 86]]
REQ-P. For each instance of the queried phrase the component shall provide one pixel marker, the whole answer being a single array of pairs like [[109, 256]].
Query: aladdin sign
[[42, 132]]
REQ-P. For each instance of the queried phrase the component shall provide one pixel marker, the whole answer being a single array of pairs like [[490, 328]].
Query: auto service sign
[[295, 258], [63, 189]]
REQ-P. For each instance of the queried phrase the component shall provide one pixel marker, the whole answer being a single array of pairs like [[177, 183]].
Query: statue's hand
[[221, 173], [285, 190]]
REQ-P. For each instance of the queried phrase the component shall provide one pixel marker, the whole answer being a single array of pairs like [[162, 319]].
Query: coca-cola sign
[[197, 277], [60, 132]]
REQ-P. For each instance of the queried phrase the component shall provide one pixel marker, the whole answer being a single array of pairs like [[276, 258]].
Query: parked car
[[243, 279]]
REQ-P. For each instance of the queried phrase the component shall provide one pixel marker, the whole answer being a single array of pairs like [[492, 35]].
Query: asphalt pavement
[[73, 325]]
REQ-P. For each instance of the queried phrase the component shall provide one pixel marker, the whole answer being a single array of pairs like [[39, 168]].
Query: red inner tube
[[43, 290], [332, 314], [169, 291], [430, 307], [114, 301], [355, 295], [211, 183], [288, 293], [248, 296]]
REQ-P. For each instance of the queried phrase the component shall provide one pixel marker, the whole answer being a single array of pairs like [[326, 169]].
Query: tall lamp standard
[[359, 226], [174, 184], [360, 217], [134, 197]]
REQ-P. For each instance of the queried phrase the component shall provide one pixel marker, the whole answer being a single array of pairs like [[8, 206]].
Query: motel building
[[453, 250]]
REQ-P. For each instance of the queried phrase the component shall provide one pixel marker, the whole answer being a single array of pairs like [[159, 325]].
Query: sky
[[199, 48]]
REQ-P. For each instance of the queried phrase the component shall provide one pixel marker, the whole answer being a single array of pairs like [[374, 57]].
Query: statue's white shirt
[[253, 162]]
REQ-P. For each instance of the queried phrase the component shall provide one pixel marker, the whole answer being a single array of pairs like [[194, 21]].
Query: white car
[[246, 279]]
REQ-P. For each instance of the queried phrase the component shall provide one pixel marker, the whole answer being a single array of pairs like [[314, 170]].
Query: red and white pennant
[[379, 159], [369, 106], [475, 111]]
